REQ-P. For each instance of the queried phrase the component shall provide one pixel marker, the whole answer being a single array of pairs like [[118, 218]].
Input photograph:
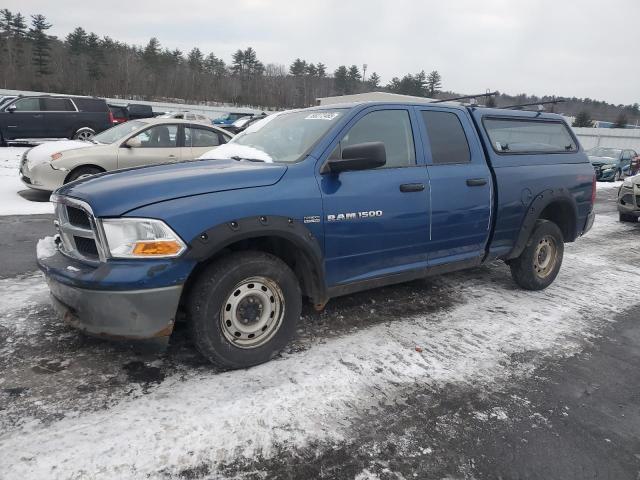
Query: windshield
[[116, 133], [282, 137], [605, 152]]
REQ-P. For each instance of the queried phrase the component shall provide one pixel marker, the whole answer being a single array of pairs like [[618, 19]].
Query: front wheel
[[244, 309], [82, 172], [539, 263], [617, 176]]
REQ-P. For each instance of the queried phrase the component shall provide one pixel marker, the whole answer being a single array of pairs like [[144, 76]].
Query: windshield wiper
[[238, 159]]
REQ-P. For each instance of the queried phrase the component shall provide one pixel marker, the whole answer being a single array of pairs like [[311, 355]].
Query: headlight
[[141, 238]]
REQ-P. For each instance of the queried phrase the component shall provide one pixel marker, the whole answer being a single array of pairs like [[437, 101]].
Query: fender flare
[[213, 240], [537, 205]]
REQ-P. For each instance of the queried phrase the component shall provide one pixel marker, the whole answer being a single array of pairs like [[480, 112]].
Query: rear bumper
[[589, 223], [134, 314]]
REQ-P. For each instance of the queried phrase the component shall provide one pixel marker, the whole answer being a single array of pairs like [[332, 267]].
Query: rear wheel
[[82, 172], [84, 133], [539, 263], [625, 217], [243, 309]]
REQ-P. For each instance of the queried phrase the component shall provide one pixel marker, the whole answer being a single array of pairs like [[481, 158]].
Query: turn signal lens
[[56, 156], [163, 248]]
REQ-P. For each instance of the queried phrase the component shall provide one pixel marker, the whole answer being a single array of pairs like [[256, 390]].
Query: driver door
[[157, 144], [26, 120], [376, 221]]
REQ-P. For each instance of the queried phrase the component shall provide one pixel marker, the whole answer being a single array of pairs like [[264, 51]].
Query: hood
[[599, 161], [115, 193], [42, 153]]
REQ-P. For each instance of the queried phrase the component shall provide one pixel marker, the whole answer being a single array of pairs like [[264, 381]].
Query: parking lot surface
[[458, 376]]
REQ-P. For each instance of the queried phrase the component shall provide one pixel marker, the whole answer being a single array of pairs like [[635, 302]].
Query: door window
[[446, 137], [391, 127], [160, 136], [28, 105], [57, 105], [201, 137]]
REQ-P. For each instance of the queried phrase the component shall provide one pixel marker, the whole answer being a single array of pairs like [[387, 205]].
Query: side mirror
[[11, 108], [133, 142], [362, 156]]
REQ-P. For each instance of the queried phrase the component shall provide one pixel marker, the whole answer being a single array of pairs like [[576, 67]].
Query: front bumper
[[124, 300], [132, 314], [629, 200], [41, 176]]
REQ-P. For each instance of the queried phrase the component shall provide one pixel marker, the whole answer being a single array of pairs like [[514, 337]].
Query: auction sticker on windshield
[[322, 116]]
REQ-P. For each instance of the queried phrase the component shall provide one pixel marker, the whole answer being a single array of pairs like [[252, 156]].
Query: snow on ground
[[202, 417], [11, 203]]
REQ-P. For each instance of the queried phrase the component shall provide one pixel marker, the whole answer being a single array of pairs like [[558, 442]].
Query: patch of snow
[[229, 150], [312, 396], [46, 248], [608, 185], [11, 202]]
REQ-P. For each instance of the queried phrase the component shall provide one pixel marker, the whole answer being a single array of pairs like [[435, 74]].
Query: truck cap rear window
[[529, 136]]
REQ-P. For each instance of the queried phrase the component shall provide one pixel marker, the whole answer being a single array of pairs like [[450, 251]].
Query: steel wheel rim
[[252, 313], [84, 135], [545, 256]]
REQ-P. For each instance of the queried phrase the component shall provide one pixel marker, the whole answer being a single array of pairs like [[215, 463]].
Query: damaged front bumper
[[97, 301]]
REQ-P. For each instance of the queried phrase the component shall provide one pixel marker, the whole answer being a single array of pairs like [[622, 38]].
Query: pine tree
[[195, 59], [41, 44], [151, 53], [298, 68], [374, 81], [96, 56], [434, 83], [311, 70], [214, 65], [583, 119], [340, 80], [322, 70], [6, 23], [621, 121], [77, 41]]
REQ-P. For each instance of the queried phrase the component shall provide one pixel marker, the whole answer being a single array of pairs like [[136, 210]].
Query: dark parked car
[[132, 111], [243, 123], [230, 117], [611, 164], [48, 116]]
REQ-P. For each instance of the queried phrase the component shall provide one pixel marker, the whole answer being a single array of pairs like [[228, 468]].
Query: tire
[[617, 176], [539, 263], [625, 217], [239, 285], [84, 133], [82, 172]]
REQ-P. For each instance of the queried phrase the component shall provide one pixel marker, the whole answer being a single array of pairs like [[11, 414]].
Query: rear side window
[[91, 104], [200, 137], [447, 138], [57, 105], [529, 136]]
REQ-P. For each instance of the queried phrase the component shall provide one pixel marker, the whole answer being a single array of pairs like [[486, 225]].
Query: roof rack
[[466, 97], [540, 105]]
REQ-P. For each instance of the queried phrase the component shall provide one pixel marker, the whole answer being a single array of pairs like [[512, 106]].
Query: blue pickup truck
[[314, 204]]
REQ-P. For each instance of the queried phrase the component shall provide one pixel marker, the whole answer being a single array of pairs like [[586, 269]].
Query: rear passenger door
[[376, 222], [59, 116], [460, 184], [199, 140]]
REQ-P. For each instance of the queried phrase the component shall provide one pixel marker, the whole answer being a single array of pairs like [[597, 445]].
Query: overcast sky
[[583, 48]]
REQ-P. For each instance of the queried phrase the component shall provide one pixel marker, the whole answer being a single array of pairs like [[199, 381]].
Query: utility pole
[[364, 72]]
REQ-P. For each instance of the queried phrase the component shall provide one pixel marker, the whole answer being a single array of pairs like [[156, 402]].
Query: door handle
[[172, 156], [476, 182], [412, 187]]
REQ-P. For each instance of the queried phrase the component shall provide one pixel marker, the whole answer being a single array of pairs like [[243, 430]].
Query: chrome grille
[[78, 230]]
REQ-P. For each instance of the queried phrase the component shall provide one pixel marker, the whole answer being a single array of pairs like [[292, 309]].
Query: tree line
[[84, 63]]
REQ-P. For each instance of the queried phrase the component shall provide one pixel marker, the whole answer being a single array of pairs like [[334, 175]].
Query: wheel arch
[[84, 165], [282, 237], [557, 206]]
